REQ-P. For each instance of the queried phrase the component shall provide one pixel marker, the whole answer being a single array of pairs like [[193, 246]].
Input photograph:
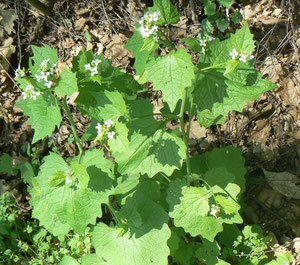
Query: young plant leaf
[[71, 207], [149, 149], [44, 114], [226, 3], [216, 94], [168, 12], [67, 83], [135, 45], [171, 74], [144, 242], [41, 54]]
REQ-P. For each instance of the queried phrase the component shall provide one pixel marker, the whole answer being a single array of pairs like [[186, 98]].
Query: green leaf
[[208, 252], [6, 164], [209, 8], [135, 45], [39, 55], [242, 40], [282, 257], [112, 77], [226, 3], [207, 26], [171, 74], [106, 105], [149, 149], [189, 210], [92, 259], [231, 66], [168, 12], [141, 243], [222, 24], [149, 45], [67, 83], [44, 114], [193, 44], [216, 94], [68, 260], [71, 207], [229, 158], [26, 172], [236, 17], [87, 36]]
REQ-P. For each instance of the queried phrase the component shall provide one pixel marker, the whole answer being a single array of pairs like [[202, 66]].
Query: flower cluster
[[204, 40], [105, 130], [29, 92], [46, 73], [214, 210], [242, 56], [93, 66], [149, 26], [19, 73]]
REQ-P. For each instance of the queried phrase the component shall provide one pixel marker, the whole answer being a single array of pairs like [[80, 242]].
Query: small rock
[[296, 244]]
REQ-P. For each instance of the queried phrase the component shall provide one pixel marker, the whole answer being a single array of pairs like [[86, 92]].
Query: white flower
[[203, 43], [99, 129], [44, 75], [68, 180], [38, 77], [243, 57], [214, 210], [94, 71], [87, 66], [19, 73], [96, 62], [49, 84], [234, 54], [30, 92], [148, 24], [109, 123], [251, 56], [24, 95], [35, 94], [210, 38], [111, 135]]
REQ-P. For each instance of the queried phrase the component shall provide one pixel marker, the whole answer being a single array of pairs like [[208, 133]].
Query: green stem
[[66, 108], [166, 42], [112, 210], [40, 6], [184, 134], [212, 67]]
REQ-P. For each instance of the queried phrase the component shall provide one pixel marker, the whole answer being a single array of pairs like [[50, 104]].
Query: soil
[[267, 130]]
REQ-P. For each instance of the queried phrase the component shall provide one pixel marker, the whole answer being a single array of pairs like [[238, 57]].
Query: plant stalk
[[40, 6], [112, 210], [212, 67], [66, 108], [184, 134]]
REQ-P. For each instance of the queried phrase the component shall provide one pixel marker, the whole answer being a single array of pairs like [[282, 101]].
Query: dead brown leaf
[[285, 183]]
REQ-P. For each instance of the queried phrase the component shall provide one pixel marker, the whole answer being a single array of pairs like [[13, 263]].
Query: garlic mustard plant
[[146, 185]]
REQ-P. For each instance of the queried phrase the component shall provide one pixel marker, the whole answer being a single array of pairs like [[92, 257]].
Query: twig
[[103, 7]]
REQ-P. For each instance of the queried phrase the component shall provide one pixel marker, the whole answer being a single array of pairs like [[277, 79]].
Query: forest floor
[[268, 129]]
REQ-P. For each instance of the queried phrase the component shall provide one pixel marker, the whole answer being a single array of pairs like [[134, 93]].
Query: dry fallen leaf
[[284, 182]]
